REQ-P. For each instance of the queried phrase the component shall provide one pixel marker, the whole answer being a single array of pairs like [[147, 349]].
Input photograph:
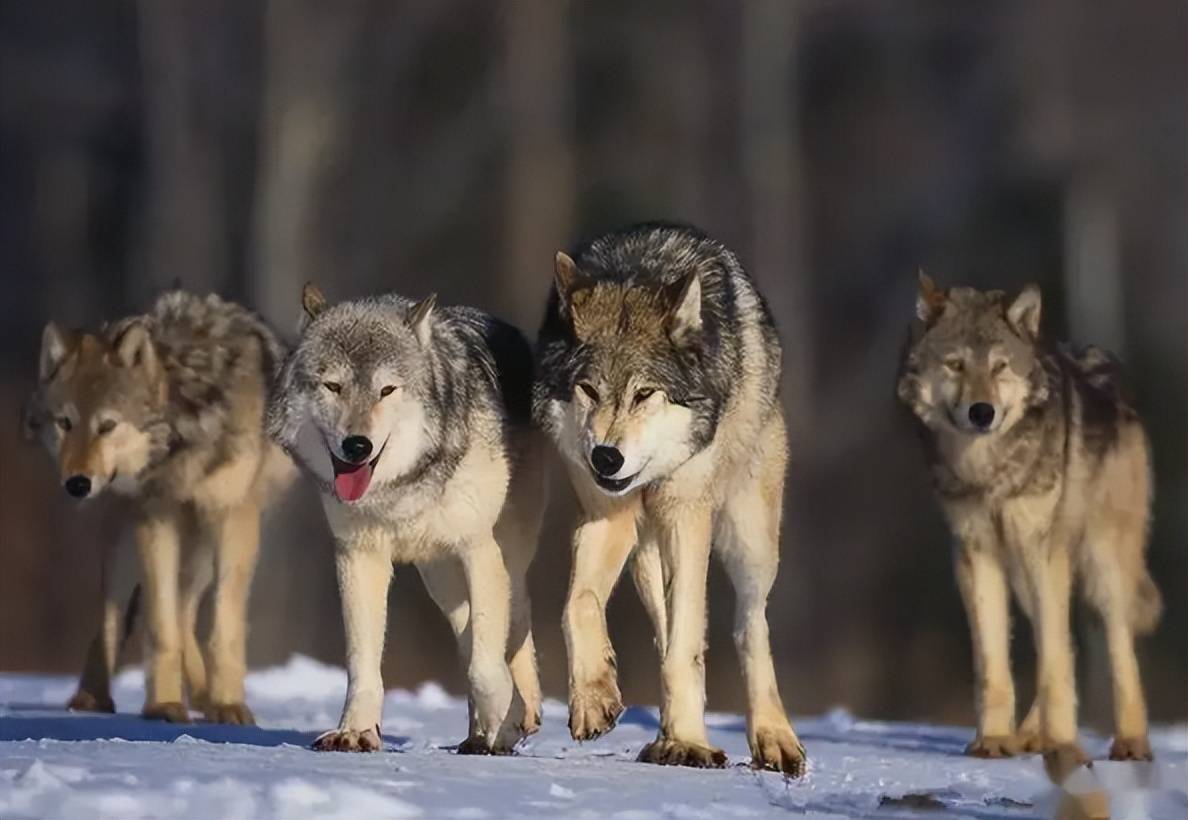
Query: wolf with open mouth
[[414, 422]]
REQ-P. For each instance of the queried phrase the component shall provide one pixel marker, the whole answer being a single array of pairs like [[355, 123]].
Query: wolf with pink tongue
[[414, 422]]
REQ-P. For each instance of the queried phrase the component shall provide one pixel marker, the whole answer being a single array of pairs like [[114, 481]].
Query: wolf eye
[[642, 395], [106, 426], [64, 423], [955, 365], [590, 392], [387, 390], [333, 387], [998, 367]]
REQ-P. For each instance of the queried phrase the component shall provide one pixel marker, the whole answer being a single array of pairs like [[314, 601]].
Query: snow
[[62, 765]]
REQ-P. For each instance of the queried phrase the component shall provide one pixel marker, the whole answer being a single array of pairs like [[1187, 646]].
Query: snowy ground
[[61, 765]]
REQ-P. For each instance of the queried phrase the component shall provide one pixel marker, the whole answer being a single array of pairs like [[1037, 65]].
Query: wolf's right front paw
[[594, 710], [84, 701], [170, 712], [349, 740], [993, 746]]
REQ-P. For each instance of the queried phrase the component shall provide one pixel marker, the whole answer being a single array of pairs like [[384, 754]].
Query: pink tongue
[[350, 485]]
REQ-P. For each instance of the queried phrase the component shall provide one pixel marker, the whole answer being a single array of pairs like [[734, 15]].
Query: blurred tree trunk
[[183, 238], [537, 81]]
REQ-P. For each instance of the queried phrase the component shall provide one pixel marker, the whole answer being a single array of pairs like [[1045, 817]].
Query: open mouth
[[614, 485], [352, 480]]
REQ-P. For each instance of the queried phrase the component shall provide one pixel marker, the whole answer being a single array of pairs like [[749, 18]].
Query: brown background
[[453, 146]]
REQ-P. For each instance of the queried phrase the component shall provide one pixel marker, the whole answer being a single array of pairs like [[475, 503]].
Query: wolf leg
[[236, 536], [749, 547], [197, 574], [364, 567], [1050, 582], [120, 575], [499, 709], [159, 543], [600, 548], [983, 587], [446, 584], [521, 650], [684, 552], [648, 573]]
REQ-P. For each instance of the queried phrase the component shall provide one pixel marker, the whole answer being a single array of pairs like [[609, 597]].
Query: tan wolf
[[167, 409], [1043, 470], [413, 421], [658, 377]]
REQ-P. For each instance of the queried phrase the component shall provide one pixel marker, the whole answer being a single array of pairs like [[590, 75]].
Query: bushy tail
[[1147, 605]]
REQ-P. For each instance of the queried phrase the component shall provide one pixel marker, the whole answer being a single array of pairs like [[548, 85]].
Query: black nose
[[606, 460], [981, 414], [356, 448], [78, 486]]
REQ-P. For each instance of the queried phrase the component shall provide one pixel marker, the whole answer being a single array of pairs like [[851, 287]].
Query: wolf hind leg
[[196, 577], [446, 583], [647, 571], [121, 601]]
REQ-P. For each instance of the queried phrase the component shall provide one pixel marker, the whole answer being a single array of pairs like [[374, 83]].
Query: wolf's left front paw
[[779, 750], [236, 714], [349, 740], [666, 752], [171, 712], [477, 745], [1131, 748], [84, 701], [594, 710]]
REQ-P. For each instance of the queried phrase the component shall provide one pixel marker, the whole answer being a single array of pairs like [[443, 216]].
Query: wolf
[[167, 410], [1043, 470], [658, 375], [413, 421]]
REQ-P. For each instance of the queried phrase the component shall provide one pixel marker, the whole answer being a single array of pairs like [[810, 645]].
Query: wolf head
[[976, 366], [636, 410], [351, 399], [99, 407]]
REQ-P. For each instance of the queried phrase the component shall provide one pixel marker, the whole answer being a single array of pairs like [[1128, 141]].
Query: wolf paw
[[84, 701], [1131, 748], [349, 740], [778, 750], [992, 746], [594, 710], [236, 714], [531, 724], [667, 752], [477, 745], [170, 712]]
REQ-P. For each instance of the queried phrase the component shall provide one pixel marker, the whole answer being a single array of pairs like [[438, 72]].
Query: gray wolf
[[413, 422], [167, 410], [659, 366], [1042, 468]]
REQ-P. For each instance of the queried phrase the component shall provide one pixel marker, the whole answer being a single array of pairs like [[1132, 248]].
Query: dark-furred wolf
[[1043, 470], [413, 421], [658, 372], [167, 408]]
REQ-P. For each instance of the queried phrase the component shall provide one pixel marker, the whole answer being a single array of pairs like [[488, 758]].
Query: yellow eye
[[333, 387], [588, 389], [64, 423], [955, 365], [998, 367], [106, 426], [642, 395], [387, 390]]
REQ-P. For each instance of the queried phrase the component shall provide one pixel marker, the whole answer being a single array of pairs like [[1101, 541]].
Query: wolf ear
[[419, 316], [134, 348], [684, 311], [1024, 313], [930, 300], [312, 301], [55, 347]]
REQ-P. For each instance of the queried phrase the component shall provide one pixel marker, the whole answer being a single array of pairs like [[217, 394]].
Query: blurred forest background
[[452, 146]]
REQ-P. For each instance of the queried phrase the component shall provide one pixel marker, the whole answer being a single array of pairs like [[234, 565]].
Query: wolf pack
[[429, 432]]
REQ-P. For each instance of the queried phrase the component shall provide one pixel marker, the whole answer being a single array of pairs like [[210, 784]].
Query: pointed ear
[[56, 345], [312, 300], [684, 312], [930, 300], [564, 274], [1024, 313], [134, 347], [419, 318]]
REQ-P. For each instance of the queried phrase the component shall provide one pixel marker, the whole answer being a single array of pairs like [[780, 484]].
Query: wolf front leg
[[600, 549], [983, 586], [684, 551], [364, 564], [158, 540], [120, 575], [236, 536]]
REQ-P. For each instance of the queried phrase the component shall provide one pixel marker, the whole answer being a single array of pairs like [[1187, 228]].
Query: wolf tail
[[1147, 605]]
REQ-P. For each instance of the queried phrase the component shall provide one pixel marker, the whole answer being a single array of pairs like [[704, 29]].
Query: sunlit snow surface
[[62, 765]]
